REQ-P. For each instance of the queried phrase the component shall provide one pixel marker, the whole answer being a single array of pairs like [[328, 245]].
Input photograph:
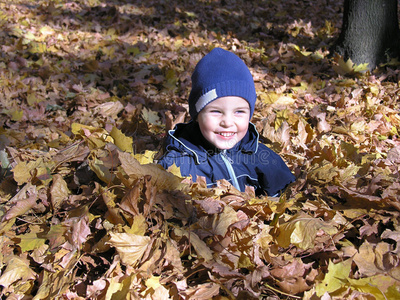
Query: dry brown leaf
[[365, 259], [160, 178], [203, 291], [218, 224], [22, 202], [59, 191], [200, 247], [17, 270]]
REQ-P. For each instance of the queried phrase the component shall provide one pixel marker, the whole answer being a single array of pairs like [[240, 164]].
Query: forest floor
[[88, 89]]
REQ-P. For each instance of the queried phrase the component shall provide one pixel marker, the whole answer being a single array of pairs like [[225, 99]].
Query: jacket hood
[[187, 138]]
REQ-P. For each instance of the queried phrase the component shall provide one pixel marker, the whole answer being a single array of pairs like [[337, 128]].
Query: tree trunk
[[370, 32]]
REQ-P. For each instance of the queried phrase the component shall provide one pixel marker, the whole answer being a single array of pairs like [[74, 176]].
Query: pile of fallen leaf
[[88, 89]]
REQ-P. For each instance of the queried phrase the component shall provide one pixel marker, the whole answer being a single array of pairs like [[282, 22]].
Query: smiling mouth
[[226, 134]]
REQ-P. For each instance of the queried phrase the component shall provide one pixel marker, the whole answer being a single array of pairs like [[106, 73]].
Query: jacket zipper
[[228, 163]]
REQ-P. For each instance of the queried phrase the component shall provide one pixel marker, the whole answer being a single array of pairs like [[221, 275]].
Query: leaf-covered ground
[[88, 89]]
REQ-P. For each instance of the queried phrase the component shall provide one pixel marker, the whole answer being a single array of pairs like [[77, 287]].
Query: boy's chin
[[225, 146]]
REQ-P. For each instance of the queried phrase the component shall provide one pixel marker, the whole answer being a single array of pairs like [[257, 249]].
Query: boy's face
[[224, 122]]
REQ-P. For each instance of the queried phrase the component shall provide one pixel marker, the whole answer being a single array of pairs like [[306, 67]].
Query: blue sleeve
[[273, 174]]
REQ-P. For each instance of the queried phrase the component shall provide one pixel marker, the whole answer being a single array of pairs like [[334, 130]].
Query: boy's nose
[[226, 121]]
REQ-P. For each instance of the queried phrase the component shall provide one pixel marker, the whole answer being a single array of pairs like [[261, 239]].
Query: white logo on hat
[[205, 99]]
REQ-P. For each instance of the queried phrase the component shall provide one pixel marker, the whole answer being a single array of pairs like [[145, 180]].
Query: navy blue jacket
[[249, 162]]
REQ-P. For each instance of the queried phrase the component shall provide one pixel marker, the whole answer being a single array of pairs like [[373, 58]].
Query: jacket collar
[[187, 137]]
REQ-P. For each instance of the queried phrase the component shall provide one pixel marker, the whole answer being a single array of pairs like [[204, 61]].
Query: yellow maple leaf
[[145, 158], [348, 67], [175, 170], [153, 282], [381, 287], [150, 116], [122, 141], [31, 241], [118, 287], [139, 225], [46, 30], [336, 278], [22, 171], [96, 137], [16, 115], [269, 97], [32, 99], [130, 247]]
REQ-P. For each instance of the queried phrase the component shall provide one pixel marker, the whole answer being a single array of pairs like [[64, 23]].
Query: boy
[[220, 142]]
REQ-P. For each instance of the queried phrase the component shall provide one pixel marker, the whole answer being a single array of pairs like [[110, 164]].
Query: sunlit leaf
[[16, 115], [122, 141], [336, 278], [218, 224], [117, 289], [59, 191], [380, 286], [17, 269], [347, 67], [161, 178], [175, 170], [139, 225], [110, 109], [46, 30], [301, 231], [31, 241], [130, 247], [151, 116], [145, 158]]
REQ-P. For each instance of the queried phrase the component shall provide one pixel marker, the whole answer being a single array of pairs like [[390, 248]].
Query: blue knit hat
[[218, 74]]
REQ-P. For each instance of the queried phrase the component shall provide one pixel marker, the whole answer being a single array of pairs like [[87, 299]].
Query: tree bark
[[370, 32]]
